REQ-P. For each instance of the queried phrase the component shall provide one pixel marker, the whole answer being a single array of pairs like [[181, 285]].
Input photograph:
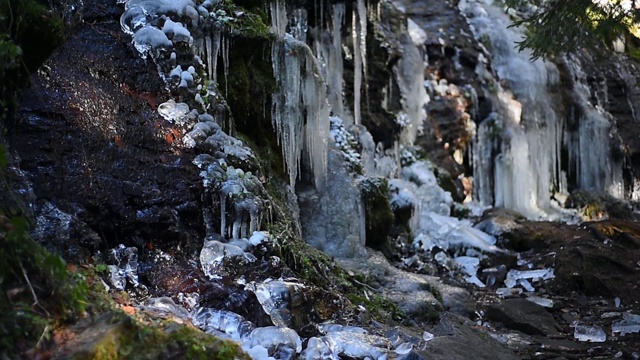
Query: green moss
[[29, 32], [115, 335]]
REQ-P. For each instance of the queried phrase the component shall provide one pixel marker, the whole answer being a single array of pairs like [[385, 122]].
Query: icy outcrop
[[300, 112], [517, 149]]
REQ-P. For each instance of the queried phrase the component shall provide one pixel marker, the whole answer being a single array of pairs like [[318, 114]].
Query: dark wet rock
[[93, 146], [523, 315], [456, 339]]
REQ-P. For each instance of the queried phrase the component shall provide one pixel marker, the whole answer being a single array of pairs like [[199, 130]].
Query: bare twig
[[33, 292]]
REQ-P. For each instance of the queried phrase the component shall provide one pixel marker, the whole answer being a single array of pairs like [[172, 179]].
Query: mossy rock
[[378, 214], [115, 335]]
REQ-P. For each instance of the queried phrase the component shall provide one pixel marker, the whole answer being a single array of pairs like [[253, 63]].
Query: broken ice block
[[219, 260], [326, 328], [541, 301], [589, 333], [526, 285], [506, 292], [427, 336], [126, 267], [543, 274], [173, 111], [276, 298], [222, 323], [629, 324], [165, 305], [474, 280], [404, 348], [273, 338], [468, 264], [318, 349], [356, 345]]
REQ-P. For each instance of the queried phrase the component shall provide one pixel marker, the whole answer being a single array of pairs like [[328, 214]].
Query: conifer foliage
[[567, 25]]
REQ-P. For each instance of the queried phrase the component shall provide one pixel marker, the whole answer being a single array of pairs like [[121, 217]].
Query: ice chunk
[[318, 349], [165, 305], [275, 338], [219, 260], [126, 267], [526, 285], [506, 292], [133, 19], [326, 328], [404, 348], [589, 333], [629, 324], [544, 274], [474, 280], [541, 301], [220, 322], [259, 237], [468, 264], [257, 352], [276, 297], [357, 345], [427, 336], [173, 111]]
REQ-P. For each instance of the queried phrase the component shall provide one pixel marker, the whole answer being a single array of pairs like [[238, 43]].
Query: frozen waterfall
[[517, 150]]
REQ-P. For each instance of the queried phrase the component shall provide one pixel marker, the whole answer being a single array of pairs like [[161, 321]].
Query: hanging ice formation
[[517, 149], [409, 73], [300, 111], [359, 31], [328, 49], [590, 161]]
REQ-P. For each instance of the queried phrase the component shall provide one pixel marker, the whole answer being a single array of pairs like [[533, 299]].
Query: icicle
[[223, 213], [357, 63], [362, 16], [212, 48], [335, 66], [300, 95], [409, 73], [225, 62]]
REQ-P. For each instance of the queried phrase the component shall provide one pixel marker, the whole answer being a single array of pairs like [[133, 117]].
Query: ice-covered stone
[[219, 260], [222, 323], [275, 338], [629, 324], [589, 333]]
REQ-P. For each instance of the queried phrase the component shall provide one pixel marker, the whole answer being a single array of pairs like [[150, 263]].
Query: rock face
[[523, 315], [90, 141]]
